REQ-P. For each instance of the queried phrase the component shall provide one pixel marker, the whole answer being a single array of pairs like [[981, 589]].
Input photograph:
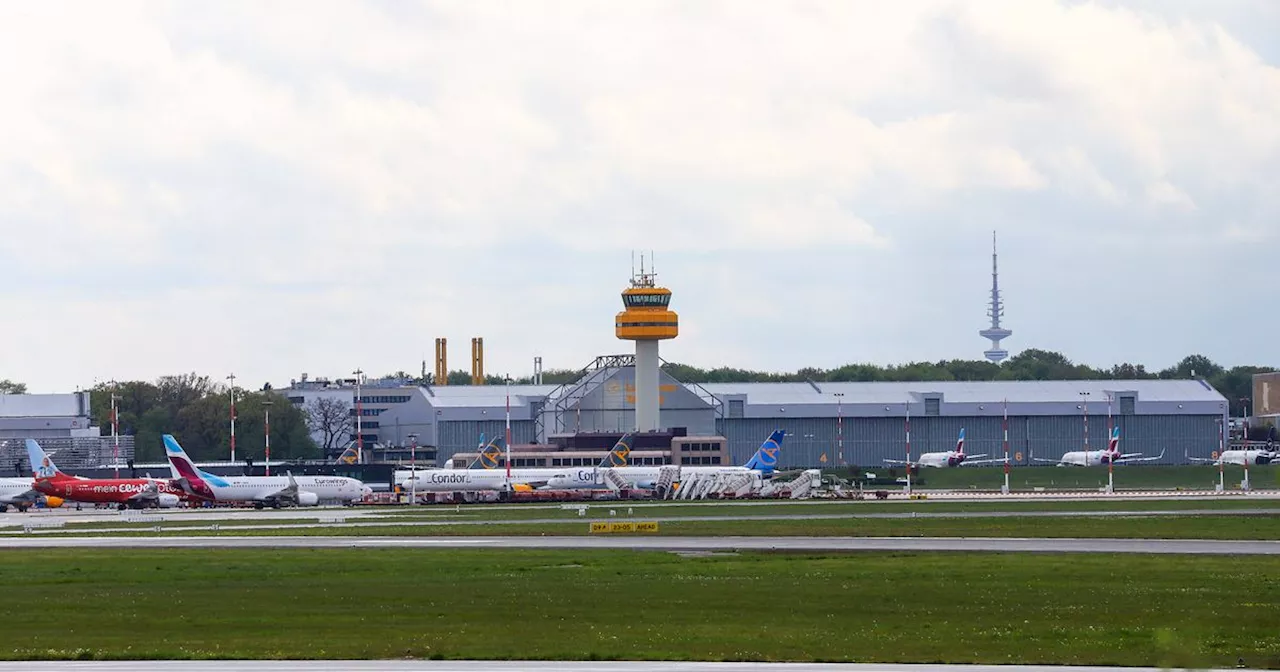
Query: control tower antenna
[[995, 333], [646, 320]]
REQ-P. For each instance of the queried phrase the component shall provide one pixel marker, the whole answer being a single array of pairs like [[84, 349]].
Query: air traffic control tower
[[646, 320]]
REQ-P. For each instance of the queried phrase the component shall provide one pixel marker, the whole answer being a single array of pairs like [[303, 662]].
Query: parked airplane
[[949, 458], [572, 478], [1092, 458], [273, 491], [18, 493], [136, 493], [1251, 456]]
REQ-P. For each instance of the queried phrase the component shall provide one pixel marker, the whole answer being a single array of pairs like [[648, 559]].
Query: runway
[[687, 544], [534, 666]]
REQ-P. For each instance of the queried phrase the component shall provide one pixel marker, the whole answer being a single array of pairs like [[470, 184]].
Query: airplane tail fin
[[960, 442], [490, 454], [621, 450], [42, 465], [766, 457], [1113, 445], [349, 456], [183, 467]]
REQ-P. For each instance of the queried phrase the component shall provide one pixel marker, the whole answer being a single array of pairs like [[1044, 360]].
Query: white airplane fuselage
[[949, 458], [1252, 457], [1088, 458], [262, 488], [563, 478], [16, 491]]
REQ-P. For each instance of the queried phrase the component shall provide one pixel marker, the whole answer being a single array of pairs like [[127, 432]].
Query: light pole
[[232, 390], [908, 448], [266, 430], [1111, 459], [1006, 446], [115, 429], [1084, 405], [1222, 482], [508, 383], [839, 428], [413, 468], [1244, 401], [359, 425]]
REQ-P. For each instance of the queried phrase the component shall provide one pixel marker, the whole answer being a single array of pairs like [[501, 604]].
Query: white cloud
[[246, 152]]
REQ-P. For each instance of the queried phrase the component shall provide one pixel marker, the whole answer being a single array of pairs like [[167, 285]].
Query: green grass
[[392, 603], [1191, 477], [1255, 527]]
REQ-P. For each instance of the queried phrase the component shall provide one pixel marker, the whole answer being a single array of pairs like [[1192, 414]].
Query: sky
[[268, 189]]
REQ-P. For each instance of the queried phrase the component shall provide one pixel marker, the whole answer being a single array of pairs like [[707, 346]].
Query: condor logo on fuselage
[[449, 479]]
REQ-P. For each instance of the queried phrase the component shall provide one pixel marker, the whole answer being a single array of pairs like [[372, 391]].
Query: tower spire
[[995, 333]]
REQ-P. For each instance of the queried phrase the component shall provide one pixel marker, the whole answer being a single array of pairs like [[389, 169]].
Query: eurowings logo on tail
[[960, 442], [1113, 444], [198, 482], [766, 458]]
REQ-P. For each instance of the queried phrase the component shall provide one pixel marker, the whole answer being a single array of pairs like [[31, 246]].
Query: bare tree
[[331, 418]]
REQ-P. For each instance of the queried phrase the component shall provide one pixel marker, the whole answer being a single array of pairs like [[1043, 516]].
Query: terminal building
[[826, 424]]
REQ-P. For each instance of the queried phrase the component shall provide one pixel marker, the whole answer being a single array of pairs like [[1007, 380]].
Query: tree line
[[197, 411]]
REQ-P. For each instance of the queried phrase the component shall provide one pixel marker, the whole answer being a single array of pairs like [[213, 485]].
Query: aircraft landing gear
[[258, 505]]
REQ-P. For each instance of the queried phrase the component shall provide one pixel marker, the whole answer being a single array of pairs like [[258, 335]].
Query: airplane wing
[[1045, 459], [1134, 457], [991, 460], [1202, 459], [150, 492], [899, 462], [967, 457], [288, 493]]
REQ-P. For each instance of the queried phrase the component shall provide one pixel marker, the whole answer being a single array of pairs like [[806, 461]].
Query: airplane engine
[[308, 499], [167, 501], [52, 502]]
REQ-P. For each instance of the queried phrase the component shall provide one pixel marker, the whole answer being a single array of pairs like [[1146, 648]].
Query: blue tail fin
[[490, 454], [618, 456], [960, 442], [766, 458]]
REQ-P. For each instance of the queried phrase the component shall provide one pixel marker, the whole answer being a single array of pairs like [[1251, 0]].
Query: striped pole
[[908, 447], [1006, 446]]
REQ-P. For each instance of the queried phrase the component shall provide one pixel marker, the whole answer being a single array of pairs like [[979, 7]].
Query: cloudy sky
[[273, 188]]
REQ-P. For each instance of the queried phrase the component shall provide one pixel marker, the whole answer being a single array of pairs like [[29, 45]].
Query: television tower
[[995, 332], [646, 320]]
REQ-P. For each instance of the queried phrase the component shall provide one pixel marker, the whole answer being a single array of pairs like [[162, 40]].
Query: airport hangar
[[827, 424]]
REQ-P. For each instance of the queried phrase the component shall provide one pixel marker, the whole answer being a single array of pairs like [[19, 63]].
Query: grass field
[[1258, 527], [903, 607], [1191, 477]]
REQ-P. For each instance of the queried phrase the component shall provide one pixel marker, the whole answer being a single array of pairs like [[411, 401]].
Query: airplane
[[949, 458], [125, 493], [263, 491], [1251, 456], [573, 478], [18, 493], [1110, 455]]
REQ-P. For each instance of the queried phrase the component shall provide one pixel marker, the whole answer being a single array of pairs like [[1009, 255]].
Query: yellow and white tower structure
[[646, 320]]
